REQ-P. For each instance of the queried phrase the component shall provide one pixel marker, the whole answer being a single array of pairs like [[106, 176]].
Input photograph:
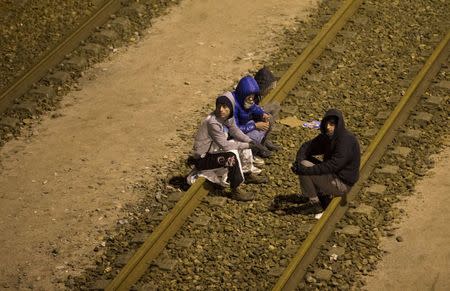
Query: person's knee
[[228, 160], [307, 163]]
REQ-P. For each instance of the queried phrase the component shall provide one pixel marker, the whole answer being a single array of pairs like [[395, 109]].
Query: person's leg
[[222, 160], [327, 184], [230, 161], [317, 189], [257, 136], [307, 185], [266, 140]]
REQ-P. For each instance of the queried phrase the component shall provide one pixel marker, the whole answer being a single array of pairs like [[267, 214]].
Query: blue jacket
[[245, 118]]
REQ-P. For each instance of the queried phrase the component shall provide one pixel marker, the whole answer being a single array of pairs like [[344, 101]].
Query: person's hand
[[295, 168], [264, 126], [298, 169], [266, 117]]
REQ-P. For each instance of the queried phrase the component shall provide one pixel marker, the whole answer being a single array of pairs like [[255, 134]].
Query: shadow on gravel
[[179, 182], [295, 204], [304, 209]]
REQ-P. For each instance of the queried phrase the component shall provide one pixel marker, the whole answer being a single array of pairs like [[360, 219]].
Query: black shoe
[[299, 199], [260, 150], [286, 200], [313, 208], [325, 200], [344, 200], [253, 179], [271, 146], [264, 152], [304, 209]]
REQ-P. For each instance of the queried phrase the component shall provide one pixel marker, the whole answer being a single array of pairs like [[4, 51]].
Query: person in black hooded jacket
[[339, 169]]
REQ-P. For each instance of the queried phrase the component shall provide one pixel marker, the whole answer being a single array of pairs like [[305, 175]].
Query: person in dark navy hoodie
[[250, 117], [267, 82], [337, 172]]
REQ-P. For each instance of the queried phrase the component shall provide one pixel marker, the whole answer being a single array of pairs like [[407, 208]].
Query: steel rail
[[151, 248], [140, 261], [311, 52], [323, 228], [57, 54]]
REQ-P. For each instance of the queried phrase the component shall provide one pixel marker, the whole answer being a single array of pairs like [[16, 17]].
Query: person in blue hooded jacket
[[250, 117]]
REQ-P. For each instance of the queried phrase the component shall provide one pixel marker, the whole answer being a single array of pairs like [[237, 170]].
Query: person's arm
[[313, 147], [257, 110], [236, 133], [220, 138], [247, 127], [338, 160]]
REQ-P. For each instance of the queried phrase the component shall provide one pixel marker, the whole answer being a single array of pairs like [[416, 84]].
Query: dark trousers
[[222, 160], [327, 184]]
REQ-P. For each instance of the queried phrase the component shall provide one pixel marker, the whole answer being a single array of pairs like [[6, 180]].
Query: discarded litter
[[314, 124]]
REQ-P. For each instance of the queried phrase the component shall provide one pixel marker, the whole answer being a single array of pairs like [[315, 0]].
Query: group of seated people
[[234, 140]]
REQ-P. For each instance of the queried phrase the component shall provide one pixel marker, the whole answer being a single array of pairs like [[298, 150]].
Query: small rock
[[310, 279], [323, 274]]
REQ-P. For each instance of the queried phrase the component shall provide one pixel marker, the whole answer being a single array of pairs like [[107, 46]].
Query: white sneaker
[[258, 161], [255, 170], [318, 215]]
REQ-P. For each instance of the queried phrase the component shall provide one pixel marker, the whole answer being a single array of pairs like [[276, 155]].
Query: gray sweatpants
[[327, 184]]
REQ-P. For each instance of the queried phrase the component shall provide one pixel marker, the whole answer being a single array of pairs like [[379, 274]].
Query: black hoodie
[[341, 153]]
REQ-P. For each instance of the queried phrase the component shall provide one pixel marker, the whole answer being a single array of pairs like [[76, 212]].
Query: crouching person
[[216, 157], [267, 82], [339, 170], [251, 118]]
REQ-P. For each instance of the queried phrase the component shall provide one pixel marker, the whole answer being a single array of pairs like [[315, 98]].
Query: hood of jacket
[[340, 126], [247, 86], [230, 97]]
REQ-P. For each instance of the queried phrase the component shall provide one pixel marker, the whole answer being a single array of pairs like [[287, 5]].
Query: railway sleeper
[[26, 109], [105, 37], [9, 122], [58, 78], [135, 10], [76, 63], [42, 92], [122, 25]]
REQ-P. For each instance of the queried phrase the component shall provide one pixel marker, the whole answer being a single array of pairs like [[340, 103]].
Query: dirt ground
[[418, 255], [65, 181]]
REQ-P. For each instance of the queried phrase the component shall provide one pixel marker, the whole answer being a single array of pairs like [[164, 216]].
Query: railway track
[[216, 222], [203, 221], [220, 226], [58, 53], [56, 70]]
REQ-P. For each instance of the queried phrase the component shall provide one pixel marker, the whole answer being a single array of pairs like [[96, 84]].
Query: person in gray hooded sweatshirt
[[213, 149], [339, 170]]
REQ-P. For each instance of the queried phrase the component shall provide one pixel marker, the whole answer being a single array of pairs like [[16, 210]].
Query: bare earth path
[[65, 182], [422, 260]]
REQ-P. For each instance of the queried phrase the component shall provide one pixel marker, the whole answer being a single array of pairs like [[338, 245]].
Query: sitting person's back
[[267, 82], [249, 116]]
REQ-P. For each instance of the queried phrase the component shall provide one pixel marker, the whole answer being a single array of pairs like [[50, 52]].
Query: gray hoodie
[[212, 135]]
